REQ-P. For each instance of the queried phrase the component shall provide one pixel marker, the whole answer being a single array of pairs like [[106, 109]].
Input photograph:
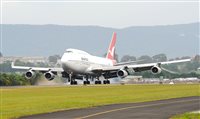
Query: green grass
[[187, 116], [23, 101]]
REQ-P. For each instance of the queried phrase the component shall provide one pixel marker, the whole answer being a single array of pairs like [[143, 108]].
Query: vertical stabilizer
[[111, 50]]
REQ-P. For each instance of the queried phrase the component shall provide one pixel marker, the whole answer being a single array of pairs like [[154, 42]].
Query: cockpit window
[[69, 52]]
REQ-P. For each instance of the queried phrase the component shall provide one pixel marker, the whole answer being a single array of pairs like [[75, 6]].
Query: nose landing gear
[[72, 79]]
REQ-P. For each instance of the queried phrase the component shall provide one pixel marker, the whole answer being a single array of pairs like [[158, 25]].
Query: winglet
[[111, 50], [12, 64]]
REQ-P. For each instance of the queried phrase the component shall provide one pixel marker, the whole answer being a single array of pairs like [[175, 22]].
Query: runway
[[162, 109]]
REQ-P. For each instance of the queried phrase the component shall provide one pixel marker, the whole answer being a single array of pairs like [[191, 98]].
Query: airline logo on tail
[[111, 49]]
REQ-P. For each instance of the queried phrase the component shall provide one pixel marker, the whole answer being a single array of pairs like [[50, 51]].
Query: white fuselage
[[81, 62]]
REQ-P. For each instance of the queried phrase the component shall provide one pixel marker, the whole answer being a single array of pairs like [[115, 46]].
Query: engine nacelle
[[122, 73], [49, 75], [156, 70], [30, 74]]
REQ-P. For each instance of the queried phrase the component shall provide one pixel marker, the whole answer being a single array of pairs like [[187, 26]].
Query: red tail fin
[[111, 50]]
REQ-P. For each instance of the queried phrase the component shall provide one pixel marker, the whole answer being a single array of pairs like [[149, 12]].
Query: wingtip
[[12, 64], [189, 60]]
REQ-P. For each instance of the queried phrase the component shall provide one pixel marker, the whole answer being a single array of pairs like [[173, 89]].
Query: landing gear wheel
[[97, 82], [88, 82], [108, 81], [84, 82], [74, 83], [72, 80]]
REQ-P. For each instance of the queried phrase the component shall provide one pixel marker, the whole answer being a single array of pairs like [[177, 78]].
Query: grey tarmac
[[161, 109]]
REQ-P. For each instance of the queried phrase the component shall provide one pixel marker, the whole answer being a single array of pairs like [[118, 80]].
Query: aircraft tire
[[75, 82], [97, 82], [108, 81], [84, 82], [87, 82]]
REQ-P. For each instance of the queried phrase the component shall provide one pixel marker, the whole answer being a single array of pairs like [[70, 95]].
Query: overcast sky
[[107, 14]]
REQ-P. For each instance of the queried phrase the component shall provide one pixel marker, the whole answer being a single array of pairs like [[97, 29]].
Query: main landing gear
[[87, 81], [97, 82], [106, 82], [73, 82]]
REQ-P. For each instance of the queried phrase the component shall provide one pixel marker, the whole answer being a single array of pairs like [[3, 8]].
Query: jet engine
[[29, 74], [156, 70], [122, 73], [49, 75]]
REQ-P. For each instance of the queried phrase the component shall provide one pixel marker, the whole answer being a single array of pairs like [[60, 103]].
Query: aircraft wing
[[41, 69], [126, 63], [137, 67], [148, 66]]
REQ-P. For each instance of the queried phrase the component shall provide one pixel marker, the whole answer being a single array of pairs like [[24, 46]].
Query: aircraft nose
[[65, 66]]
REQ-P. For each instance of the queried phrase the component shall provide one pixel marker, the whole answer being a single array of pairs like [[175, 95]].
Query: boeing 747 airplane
[[77, 64]]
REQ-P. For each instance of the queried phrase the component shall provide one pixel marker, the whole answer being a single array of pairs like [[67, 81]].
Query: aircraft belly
[[75, 66]]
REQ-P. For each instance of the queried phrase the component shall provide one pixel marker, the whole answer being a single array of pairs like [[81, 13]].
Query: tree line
[[16, 79], [7, 79]]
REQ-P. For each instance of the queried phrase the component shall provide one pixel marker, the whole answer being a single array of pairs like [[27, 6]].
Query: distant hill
[[45, 40]]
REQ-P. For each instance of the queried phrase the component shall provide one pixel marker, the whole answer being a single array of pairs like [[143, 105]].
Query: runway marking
[[131, 107]]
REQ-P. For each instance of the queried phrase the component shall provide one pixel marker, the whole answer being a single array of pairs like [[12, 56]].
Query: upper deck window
[[75, 51]]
